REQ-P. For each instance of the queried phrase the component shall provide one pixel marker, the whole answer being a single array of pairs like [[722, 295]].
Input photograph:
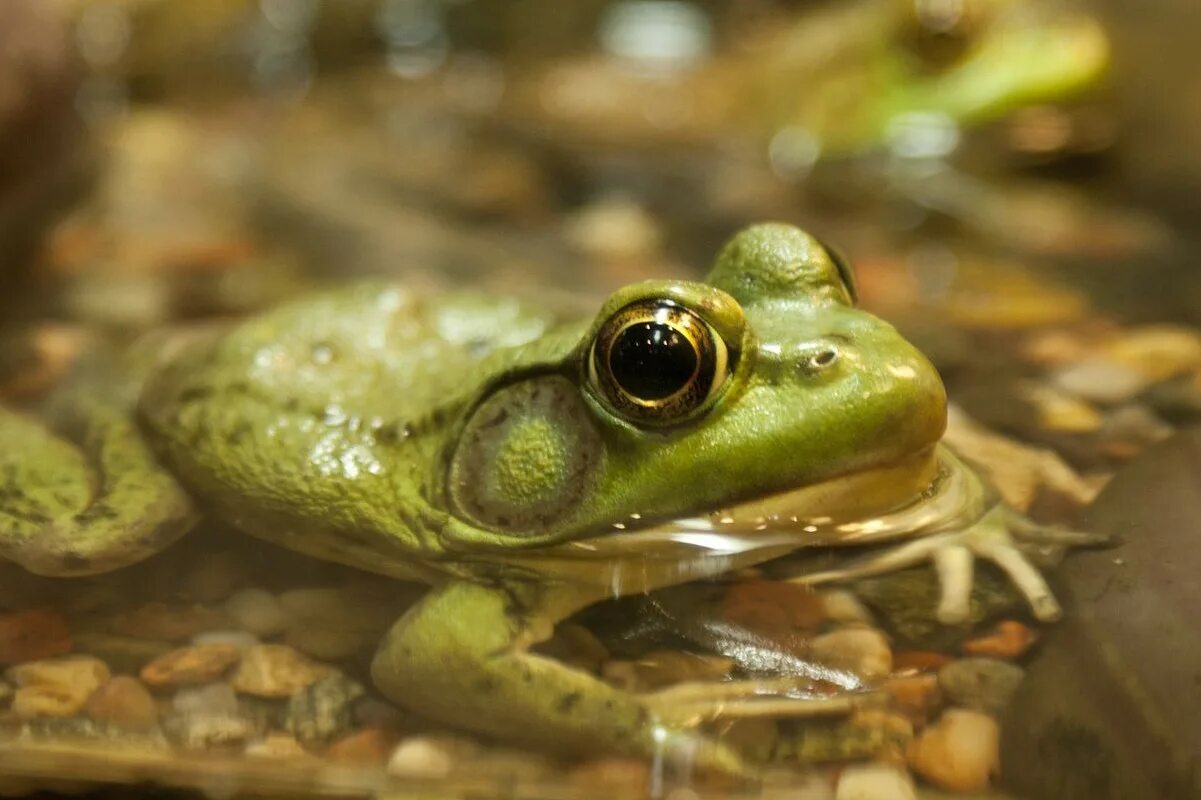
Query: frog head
[[683, 398]]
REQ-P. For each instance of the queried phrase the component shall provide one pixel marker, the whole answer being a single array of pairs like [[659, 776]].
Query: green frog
[[527, 468]]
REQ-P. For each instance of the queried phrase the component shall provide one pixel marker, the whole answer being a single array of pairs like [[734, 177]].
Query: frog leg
[[461, 656], [1001, 536], [697, 701], [85, 506]]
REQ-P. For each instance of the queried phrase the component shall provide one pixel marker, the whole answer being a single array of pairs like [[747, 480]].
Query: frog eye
[[657, 363]]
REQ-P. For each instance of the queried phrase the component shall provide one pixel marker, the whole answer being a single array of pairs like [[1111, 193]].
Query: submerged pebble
[[257, 611], [959, 752], [1009, 640], [123, 702], [191, 665], [364, 746], [324, 710], [875, 782], [33, 635], [201, 730], [980, 683], [864, 651], [212, 698], [429, 756], [56, 687], [277, 746], [275, 670]]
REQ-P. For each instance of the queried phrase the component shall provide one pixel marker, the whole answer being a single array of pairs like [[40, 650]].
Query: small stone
[[428, 756], [275, 670], [1101, 380], [919, 661], [278, 746], [1130, 430], [864, 651], [1060, 411], [332, 624], [959, 752], [866, 734], [191, 665], [211, 698], [123, 702], [214, 576], [372, 712], [843, 606], [33, 635], [773, 607], [239, 639], [257, 611], [1158, 351], [365, 746], [56, 687], [324, 710], [617, 776], [875, 782], [121, 653], [207, 731], [1010, 640], [915, 696], [984, 684], [168, 623]]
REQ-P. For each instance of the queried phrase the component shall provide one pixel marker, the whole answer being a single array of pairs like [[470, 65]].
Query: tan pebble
[[622, 777], [123, 701], [326, 641], [169, 623], [920, 661], [191, 665], [1101, 380], [366, 746], [915, 696], [275, 670], [1158, 351], [56, 687], [214, 577], [864, 651], [1059, 411], [426, 756], [1009, 640], [257, 611], [959, 752], [875, 782], [33, 635], [277, 746], [843, 606]]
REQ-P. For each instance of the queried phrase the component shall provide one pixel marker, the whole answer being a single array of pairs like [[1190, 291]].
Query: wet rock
[[1109, 708], [201, 730], [191, 665], [324, 710], [1157, 351], [124, 703], [959, 752], [1060, 411], [121, 653], [430, 757], [257, 611], [864, 651], [1130, 430], [275, 670], [1009, 640], [984, 684], [372, 712], [839, 605], [57, 687], [337, 623], [915, 696], [867, 734], [775, 608], [212, 698], [620, 777], [239, 639], [33, 635], [278, 746], [214, 576], [907, 661], [366, 746], [1101, 380], [167, 622], [875, 782]]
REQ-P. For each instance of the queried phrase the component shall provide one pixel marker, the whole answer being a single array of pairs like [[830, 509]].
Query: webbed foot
[[1002, 536]]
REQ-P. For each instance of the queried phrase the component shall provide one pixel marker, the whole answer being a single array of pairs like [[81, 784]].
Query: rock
[[984, 684], [6, 694], [278, 746], [430, 757], [371, 712], [1009, 640], [211, 698], [123, 702], [1158, 351], [33, 635], [874, 782], [959, 752], [842, 606], [365, 746], [207, 731], [257, 611], [239, 639], [1130, 430], [168, 623], [907, 661], [324, 710], [121, 653], [214, 576], [57, 687], [1101, 380], [275, 670], [1060, 411], [866, 734], [614, 775], [775, 608], [1109, 708], [191, 665], [915, 696], [332, 624], [864, 651]]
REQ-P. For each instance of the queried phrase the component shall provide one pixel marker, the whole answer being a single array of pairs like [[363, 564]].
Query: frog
[[528, 466]]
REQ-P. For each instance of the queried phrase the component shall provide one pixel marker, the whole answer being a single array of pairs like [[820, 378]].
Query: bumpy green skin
[[378, 429]]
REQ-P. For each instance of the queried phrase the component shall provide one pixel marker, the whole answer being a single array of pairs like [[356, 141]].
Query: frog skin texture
[[527, 468]]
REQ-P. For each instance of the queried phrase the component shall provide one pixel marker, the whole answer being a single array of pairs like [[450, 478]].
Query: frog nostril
[[824, 358]]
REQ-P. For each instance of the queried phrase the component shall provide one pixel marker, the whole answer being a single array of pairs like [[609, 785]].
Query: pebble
[[123, 702], [207, 731], [190, 665], [915, 696], [365, 746], [324, 710], [773, 606], [275, 670], [1158, 351], [239, 639], [985, 684], [1010, 640], [919, 661], [1101, 380], [214, 576], [373, 712], [167, 622], [56, 687], [864, 651], [428, 756], [959, 752], [843, 606], [33, 635], [257, 611], [277, 746], [121, 653], [212, 698], [615, 775], [330, 624], [875, 782]]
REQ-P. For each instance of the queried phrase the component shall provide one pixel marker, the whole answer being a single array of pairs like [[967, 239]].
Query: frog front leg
[[86, 502], [462, 656]]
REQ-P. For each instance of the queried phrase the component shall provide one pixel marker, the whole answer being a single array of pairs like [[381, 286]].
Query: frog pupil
[[652, 360]]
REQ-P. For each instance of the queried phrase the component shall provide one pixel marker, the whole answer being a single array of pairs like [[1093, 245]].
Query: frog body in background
[[527, 468]]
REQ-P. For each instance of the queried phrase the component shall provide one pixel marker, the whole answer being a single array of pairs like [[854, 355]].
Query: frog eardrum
[[656, 362]]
